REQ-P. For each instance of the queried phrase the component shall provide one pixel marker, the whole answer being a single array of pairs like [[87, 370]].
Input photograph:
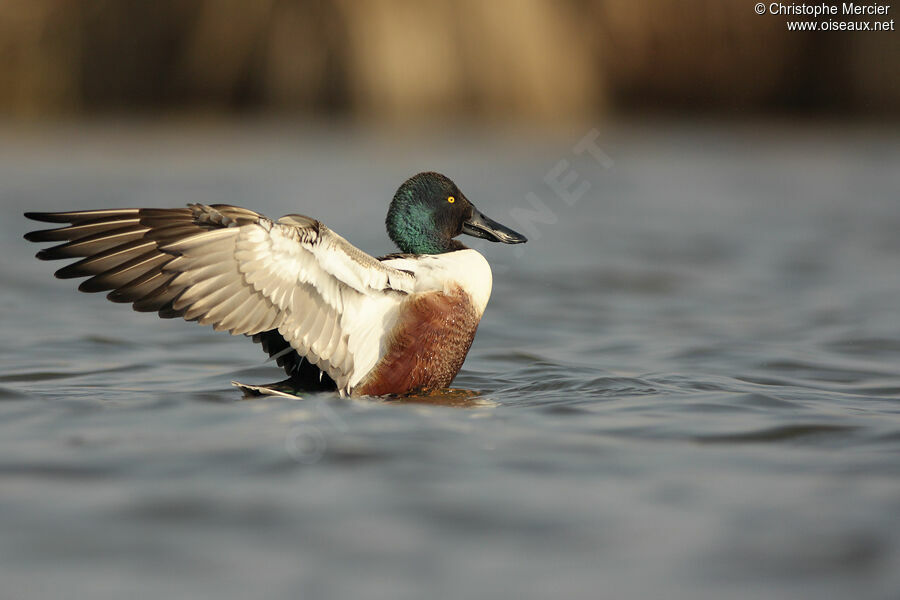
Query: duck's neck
[[411, 226], [428, 244]]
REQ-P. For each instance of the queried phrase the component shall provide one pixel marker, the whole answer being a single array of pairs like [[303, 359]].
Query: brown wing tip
[[78, 216], [37, 236], [45, 217], [42, 235]]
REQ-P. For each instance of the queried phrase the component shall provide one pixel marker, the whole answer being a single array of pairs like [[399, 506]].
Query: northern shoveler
[[330, 314]]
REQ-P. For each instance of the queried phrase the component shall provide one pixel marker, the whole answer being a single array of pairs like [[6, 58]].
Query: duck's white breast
[[464, 268]]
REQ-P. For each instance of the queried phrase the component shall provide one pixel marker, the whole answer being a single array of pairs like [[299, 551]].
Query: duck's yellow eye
[[451, 199]]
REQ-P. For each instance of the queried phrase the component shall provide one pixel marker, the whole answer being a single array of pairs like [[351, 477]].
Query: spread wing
[[239, 271]]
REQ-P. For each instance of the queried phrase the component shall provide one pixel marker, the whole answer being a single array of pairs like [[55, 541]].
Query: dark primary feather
[[77, 216]]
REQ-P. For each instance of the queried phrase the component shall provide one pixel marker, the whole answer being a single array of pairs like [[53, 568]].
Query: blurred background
[[530, 61]]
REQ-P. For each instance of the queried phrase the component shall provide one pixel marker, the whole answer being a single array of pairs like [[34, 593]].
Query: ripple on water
[[766, 401], [41, 376], [7, 393], [821, 372], [866, 346], [818, 432], [888, 389], [53, 375], [104, 340], [57, 471]]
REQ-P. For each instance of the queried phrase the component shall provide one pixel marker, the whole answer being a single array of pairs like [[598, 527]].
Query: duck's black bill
[[486, 228]]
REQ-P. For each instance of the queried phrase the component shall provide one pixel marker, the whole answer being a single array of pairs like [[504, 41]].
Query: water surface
[[689, 378]]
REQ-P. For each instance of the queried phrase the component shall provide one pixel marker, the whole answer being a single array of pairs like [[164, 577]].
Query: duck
[[334, 317]]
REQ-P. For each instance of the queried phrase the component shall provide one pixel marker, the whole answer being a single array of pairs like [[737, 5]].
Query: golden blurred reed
[[536, 60]]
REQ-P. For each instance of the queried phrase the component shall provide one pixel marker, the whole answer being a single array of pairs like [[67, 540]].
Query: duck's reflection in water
[[455, 397]]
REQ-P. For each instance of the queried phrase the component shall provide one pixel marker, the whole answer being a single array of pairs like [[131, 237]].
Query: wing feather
[[236, 270], [141, 287], [124, 274]]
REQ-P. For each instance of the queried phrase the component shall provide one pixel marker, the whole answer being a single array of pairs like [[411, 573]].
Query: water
[[689, 379]]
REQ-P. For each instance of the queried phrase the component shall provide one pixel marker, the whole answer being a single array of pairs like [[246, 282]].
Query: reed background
[[533, 61]]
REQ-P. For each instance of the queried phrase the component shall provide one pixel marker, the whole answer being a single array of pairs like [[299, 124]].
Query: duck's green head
[[428, 211]]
